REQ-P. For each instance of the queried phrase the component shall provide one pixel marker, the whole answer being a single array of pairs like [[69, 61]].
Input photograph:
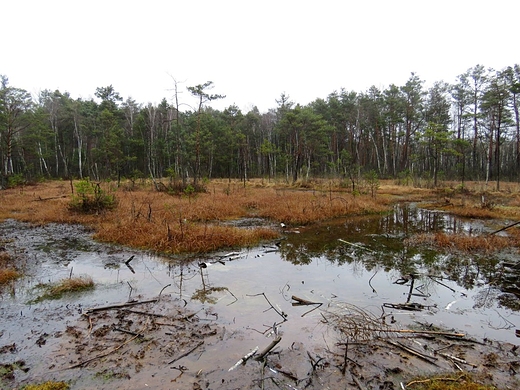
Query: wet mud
[[155, 323]]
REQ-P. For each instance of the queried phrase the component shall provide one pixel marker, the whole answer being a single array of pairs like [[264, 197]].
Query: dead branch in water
[[304, 302], [429, 359], [119, 306], [280, 313], [269, 348], [186, 353]]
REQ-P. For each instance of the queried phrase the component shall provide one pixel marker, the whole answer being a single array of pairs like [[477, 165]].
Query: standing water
[[363, 262]]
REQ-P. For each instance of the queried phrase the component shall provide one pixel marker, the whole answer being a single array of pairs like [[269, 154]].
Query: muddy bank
[[177, 335]]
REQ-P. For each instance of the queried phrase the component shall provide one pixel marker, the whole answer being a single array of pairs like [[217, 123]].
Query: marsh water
[[362, 261]]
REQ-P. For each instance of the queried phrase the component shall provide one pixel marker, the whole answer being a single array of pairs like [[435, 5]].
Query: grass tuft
[[50, 385], [65, 286], [448, 382]]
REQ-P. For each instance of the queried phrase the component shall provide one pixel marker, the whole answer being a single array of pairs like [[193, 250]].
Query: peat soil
[[161, 341]]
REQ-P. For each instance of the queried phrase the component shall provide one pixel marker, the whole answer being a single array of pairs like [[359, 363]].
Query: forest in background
[[469, 130]]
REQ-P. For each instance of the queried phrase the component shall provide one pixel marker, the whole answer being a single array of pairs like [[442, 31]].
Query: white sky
[[252, 50]]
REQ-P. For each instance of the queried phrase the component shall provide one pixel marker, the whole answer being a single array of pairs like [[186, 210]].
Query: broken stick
[[186, 353], [118, 306], [269, 348]]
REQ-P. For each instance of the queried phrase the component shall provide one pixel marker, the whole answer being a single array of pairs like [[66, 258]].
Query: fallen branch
[[144, 313], [459, 335], [504, 228], [52, 197], [304, 302], [244, 359], [413, 352], [457, 360], [281, 314], [186, 353], [269, 348], [119, 306], [128, 332], [358, 383]]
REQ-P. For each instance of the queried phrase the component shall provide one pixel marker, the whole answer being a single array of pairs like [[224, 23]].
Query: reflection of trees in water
[[377, 243]]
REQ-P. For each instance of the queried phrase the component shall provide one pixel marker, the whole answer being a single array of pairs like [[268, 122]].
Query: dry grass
[[7, 271], [50, 385], [65, 286], [448, 382], [155, 220], [71, 285], [7, 275], [465, 243]]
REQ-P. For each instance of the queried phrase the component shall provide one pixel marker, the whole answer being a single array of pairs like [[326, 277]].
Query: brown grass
[[70, 285], [448, 382], [155, 220], [7, 271], [65, 286], [465, 243]]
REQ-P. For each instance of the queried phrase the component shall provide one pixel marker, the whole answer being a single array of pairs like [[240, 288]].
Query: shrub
[[90, 198]]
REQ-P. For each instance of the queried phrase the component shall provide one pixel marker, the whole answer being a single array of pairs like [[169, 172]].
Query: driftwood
[[269, 348], [186, 353], [119, 306]]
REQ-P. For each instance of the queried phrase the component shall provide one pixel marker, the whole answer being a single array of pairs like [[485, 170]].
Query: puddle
[[360, 261]]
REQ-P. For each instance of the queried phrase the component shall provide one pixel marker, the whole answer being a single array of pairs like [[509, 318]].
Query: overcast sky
[[252, 50]]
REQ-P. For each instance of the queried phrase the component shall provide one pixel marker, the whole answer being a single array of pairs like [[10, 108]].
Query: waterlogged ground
[[191, 322]]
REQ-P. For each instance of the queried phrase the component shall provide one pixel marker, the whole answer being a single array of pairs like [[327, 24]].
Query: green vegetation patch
[[66, 286]]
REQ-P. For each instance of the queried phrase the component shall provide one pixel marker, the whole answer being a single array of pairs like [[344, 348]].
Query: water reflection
[[379, 243]]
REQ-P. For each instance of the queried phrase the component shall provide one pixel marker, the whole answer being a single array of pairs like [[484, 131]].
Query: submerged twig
[[269, 348], [280, 313], [186, 353]]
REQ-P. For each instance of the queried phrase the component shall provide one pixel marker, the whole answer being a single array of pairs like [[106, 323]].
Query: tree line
[[469, 130]]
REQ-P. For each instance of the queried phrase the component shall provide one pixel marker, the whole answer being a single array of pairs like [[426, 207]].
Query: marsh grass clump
[[50, 385], [65, 286], [464, 243], [448, 382], [7, 271]]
